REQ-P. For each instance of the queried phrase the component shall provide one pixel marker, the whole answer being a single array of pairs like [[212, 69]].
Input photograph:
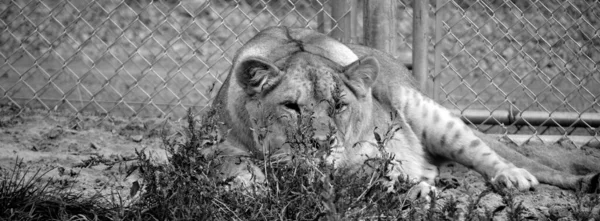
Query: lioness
[[282, 72]]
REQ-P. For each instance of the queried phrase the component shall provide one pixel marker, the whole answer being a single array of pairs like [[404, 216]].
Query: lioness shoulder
[[350, 91]]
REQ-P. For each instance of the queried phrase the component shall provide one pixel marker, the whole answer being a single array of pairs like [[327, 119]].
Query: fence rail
[[516, 67], [536, 62]]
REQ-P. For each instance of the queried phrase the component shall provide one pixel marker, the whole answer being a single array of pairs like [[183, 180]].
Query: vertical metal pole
[[379, 25], [354, 9], [437, 48], [340, 11], [321, 19], [420, 27]]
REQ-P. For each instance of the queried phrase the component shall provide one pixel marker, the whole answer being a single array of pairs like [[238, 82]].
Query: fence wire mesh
[[158, 58], [535, 58], [132, 57]]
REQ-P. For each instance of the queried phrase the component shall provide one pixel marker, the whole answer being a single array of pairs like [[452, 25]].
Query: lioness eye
[[341, 107], [292, 106]]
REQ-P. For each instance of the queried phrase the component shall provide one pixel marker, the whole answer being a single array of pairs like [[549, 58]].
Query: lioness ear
[[362, 73], [255, 75]]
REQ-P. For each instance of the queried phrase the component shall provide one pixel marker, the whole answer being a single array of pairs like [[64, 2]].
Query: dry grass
[[303, 188]]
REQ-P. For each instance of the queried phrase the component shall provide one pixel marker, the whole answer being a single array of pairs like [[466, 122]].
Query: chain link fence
[[531, 67], [517, 64], [132, 57]]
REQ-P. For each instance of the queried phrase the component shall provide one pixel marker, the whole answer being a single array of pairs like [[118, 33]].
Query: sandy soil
[[95, 154]]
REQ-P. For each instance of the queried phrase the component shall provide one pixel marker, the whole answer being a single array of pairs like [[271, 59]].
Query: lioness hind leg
[[544, 173], [590, 184]]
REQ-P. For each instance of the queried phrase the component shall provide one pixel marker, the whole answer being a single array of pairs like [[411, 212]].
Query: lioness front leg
[[445, 135], [234, 164], [410, 161]]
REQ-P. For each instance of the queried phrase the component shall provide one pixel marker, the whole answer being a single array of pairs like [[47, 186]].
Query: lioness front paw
[[335, 156], [515, 178], [422, 190]]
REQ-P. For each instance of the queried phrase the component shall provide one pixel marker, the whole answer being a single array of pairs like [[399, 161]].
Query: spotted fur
[[282, 72]]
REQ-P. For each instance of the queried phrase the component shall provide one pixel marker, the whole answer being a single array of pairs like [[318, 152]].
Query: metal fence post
[[321, 19], [420, 27], [341, 13], [437, 47], [133, 59], [379, 24]]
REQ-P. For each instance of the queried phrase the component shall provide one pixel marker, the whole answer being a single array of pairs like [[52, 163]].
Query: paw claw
[[422, 190], [515, 178]]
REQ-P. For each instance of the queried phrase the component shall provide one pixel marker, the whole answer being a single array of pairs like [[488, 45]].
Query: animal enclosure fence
[[515, 67]]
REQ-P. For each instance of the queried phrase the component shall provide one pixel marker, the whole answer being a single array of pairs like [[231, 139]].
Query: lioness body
[[282, 73]]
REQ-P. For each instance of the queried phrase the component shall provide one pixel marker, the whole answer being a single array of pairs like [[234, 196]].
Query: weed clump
[[192, 185], [300, 186], [24, 197]]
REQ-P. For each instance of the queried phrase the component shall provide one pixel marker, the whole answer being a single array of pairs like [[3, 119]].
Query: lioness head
[[337, 97], [282, 75]]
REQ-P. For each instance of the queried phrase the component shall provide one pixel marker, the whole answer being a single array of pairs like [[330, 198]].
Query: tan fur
[[282, 72]]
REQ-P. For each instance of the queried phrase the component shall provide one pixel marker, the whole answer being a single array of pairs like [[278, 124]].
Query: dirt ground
[[95, 153]]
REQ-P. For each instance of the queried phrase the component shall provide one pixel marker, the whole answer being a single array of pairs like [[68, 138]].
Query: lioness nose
[[326, 140]]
